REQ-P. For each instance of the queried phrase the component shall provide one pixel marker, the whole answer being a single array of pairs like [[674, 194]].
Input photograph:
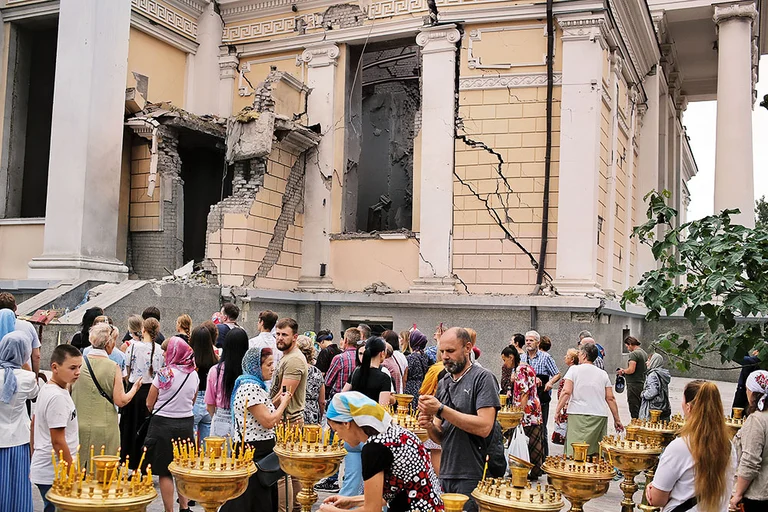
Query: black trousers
[[256, 497], [634, 399], [754, 505], [544, 433]]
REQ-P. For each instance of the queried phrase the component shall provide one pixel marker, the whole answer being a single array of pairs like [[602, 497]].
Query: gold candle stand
[[630, 457], [105, 486], [509, 415], [516, 494], [577, 478], [212, 477], [454, 502], [407, 418], [735, 422], [308, 454]]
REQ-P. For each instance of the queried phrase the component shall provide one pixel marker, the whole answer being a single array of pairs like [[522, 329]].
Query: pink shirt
[[214, 393]]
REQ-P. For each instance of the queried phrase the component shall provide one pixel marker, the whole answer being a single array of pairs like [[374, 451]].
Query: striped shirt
[[542, 363], [339, 372]]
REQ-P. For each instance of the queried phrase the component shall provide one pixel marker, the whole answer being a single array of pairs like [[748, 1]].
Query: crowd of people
[[137, 393]]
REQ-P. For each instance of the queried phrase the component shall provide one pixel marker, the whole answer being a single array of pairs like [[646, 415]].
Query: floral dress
[[525, 382], [410, 482], [312, 406], [418, 364]]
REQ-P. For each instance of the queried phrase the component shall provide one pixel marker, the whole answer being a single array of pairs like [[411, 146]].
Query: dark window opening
[[624, 335], [207, 180], [388, 107], [377, 327], [29, 102]]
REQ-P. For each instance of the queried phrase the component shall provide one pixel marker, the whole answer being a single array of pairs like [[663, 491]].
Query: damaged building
[[476, 162]]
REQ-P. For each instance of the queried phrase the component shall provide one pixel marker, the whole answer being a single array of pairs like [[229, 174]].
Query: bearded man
[[463, 410]]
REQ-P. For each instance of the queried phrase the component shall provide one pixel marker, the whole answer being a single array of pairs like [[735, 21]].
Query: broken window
[[29, 105], [384, 118]]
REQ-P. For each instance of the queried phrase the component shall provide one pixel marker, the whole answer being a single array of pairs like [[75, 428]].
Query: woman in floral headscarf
[[251, 391], [418, 364], [396, 465], [171, 399], [751, 489]]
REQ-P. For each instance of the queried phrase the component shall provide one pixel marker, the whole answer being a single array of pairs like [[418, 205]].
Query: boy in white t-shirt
[[54, 424]]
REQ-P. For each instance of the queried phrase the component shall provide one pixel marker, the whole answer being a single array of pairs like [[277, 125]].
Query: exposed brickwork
[[343, 16], [144, 210], [511, 122], [153, 251]]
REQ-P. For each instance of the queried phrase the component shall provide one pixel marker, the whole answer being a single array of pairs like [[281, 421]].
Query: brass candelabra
[[509, 415], [454, 502], [516, 494], [214, 476], [630, 457], [578, 478], [105, 485], [407, 417], [309, 454], [736, 421]]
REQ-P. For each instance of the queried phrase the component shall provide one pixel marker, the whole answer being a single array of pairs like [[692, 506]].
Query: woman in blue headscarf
[[16, 387], [7, 322], [263, 415], [396, 465]]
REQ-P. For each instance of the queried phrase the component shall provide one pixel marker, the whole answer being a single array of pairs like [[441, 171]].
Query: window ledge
[[402, 234]]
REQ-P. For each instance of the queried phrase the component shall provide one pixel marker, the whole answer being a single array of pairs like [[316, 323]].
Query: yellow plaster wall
[[259, 69], [239, 247], [356, 264], [339, 134], [15, 254], [602, 193], [162, 63], [513, 123], [144, 211]]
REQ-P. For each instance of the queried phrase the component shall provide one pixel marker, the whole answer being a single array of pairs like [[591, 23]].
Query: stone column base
[[434, 285], [578, 287], [72, 268], [315, 284]]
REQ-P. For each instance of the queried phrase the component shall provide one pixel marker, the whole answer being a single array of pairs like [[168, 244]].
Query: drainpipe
[[548, 153]]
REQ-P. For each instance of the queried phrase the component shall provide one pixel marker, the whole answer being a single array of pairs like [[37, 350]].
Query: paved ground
[[614, 496]]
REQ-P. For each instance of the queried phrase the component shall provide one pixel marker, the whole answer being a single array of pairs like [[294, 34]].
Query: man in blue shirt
[[547, 375]]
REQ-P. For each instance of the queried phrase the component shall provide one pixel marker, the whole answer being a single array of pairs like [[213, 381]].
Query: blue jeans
[[352, 483], [47, 505], [202, 418]]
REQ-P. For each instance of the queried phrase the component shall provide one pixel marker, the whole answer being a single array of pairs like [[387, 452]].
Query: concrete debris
[[199, 277], [185, 270], [380, 288]]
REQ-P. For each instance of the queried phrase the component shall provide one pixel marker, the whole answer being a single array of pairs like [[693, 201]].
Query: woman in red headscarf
[[171, 399]]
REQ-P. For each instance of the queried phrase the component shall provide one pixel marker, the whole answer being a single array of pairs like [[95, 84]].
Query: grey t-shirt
[[461, 457]]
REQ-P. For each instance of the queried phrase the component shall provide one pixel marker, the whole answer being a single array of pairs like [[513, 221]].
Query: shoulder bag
[[96, 382], [141, 433], [269, 470]]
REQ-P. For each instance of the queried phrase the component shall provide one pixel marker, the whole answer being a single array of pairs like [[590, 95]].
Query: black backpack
[[492, 450]]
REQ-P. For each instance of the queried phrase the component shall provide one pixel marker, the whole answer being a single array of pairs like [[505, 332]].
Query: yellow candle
[[118, 451], [111, 477], [53, 458], [486, 466], [90, 463], [71, 473], [141, 460], [102, 450]]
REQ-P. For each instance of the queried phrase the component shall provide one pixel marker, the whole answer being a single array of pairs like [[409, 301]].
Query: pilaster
[[734, 174], [438, 49], [610, 239], [648, 162], [584, 41], [228, 63], [321, 63]]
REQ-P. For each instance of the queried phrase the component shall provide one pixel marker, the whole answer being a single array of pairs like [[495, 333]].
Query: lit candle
[[77, 459], [90, 463], [102, 450], [486, 467], [118, 451], [141, 460]]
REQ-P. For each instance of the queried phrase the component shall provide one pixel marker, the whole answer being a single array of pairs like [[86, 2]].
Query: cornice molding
[[162, 33], [637, 32], [586, 27], [15, 11], [507, 81], [172, 18]]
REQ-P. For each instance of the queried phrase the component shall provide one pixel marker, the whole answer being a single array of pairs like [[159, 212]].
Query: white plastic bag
[[518, 446]]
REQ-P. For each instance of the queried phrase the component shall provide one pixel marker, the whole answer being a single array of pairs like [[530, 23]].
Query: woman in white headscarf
[[655, 393], [751, 489]]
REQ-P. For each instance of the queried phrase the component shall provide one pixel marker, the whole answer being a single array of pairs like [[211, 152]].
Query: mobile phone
[[285, 389]]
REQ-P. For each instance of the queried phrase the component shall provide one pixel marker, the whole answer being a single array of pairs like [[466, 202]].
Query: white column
[[86, 143], [629, 221], [734, 176], [227, 73], [321, 63], [202, 95], [438, 50], [648, 163], [583, 45]]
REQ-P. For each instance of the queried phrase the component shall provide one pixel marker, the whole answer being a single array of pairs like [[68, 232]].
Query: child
[[54, 424]]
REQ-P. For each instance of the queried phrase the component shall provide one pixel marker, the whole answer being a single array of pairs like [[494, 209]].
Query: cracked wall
[[260, 245], [499, 173]]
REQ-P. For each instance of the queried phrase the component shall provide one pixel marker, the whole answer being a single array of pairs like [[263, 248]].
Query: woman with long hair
[[395, 464], [263, 414], [405, 342], [368, 378], [184, 327], [221, 381], [418, 364], [143, 360], [751, 489], [314, 409], [80, 339], [696, 470], [171, 398], [205, 358], [97, 416]]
